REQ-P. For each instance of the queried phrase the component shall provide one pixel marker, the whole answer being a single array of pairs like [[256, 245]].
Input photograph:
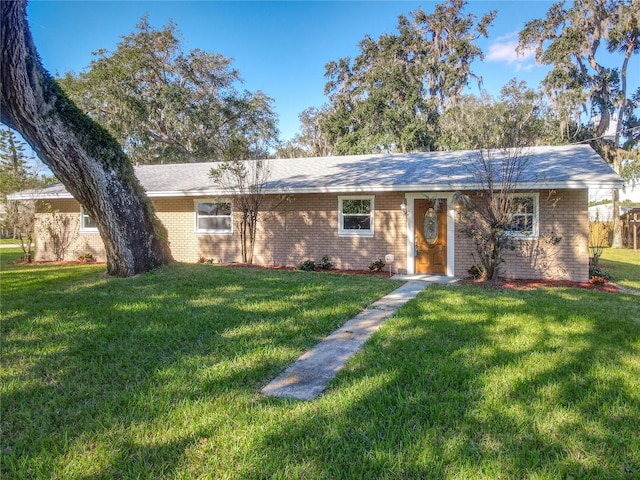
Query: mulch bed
[[524, 284], [333, 270], [502, 283]]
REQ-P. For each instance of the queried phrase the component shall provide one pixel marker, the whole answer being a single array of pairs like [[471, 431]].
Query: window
[[525, 219], [356, 216], [214, 216], [87, 223]]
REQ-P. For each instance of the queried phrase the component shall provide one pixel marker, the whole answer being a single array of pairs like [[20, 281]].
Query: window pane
[[522, 221], [217, 208], [214, 223], [523, 205], [356, 206], [212, 217], [88, 222], [357, 222]]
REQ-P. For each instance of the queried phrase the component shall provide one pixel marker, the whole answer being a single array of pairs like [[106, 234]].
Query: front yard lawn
[[624, 267], [157, 377]]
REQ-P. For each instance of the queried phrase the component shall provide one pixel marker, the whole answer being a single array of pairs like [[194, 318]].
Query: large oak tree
[[573, 40], [165, 104], [81, 154], [388, 97], [518, 118]]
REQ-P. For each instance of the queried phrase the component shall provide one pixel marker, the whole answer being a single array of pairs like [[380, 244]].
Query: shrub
[[325, 264], [86, 258], [310, 265], [377, 265], [307, 266], [477, 271], [596, 272]]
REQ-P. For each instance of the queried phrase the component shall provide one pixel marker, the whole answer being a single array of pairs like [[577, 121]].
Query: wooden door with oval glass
[[430, 227]]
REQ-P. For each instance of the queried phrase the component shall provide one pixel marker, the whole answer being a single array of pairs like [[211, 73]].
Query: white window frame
[[535, 221], [348, 232], [83, 227], [197, 216]]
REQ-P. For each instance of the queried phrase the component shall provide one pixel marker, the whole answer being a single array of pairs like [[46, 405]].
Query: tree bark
[[617, 163], [81, 154]]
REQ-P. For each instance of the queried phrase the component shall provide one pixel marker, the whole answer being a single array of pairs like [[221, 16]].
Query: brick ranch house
[[356, 210]]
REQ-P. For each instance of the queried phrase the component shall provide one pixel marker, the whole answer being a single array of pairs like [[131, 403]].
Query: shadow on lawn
[[624, 273], [458, 385], [96, 367], [123, 377]]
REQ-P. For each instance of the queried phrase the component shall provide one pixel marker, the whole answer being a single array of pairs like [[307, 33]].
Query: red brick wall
[[298, 228], [58, 233], [563, 214], [305, 227]]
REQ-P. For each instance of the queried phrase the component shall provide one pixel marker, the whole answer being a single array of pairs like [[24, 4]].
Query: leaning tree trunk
[[81, 154]]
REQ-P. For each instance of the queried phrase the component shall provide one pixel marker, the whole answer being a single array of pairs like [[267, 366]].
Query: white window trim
[[536, 218], [342, 232], [84, 229], [198, 231]]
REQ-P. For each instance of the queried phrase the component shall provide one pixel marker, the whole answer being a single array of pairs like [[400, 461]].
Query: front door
[[430, 228]]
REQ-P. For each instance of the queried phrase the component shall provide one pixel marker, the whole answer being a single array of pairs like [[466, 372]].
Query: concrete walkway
[[309, 375]]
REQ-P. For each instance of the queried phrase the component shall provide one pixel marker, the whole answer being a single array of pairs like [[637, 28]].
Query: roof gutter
[[611, 184], [39, 196]]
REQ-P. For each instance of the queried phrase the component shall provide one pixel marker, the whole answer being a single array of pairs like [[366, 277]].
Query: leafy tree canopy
[[574, 42], [165, 104], [311, 141], [389, 96], [518, 118]]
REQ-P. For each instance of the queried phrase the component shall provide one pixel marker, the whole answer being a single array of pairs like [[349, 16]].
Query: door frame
[[410, 200]]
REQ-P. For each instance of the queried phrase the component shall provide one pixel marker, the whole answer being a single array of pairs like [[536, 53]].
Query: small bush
[[477, 271], [597, 280], [377, 265], [325, 264], [307, 266], [310, 265], [596, 272], [86, 258]]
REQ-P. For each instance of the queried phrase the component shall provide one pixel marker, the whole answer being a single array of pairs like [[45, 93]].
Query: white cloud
[[525, 67], [503, 49]]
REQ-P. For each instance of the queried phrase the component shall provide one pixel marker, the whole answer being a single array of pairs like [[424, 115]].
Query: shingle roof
[[572, 166]]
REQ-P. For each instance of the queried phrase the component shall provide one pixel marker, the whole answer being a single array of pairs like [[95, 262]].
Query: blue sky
[[280, 48]]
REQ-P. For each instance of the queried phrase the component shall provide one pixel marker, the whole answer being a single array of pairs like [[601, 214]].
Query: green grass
[[157, 377], [624, 267], [8, 256]]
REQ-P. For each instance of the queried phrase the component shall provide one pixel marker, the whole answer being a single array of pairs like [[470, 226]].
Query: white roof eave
[[393, 188], [342, 189], [40, 196]]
